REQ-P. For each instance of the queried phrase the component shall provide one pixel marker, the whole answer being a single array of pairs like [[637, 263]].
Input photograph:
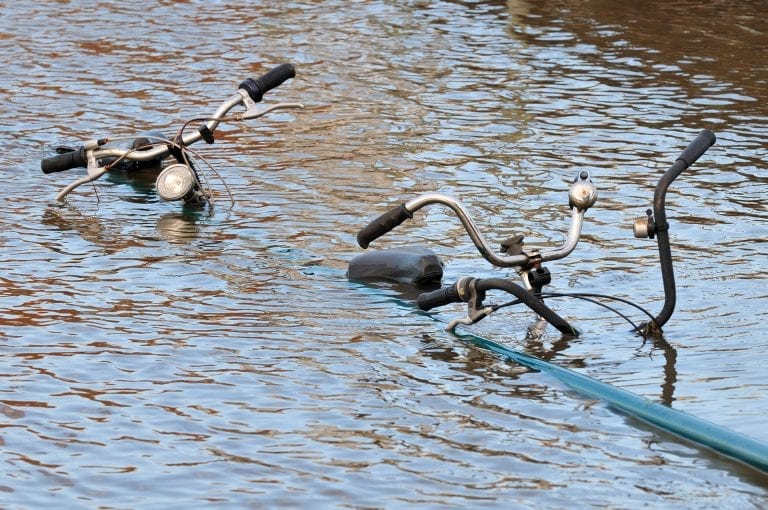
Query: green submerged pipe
[[704, 433]]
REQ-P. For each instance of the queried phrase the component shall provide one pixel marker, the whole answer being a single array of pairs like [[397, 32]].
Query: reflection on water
[[177, 227], [156, 356]]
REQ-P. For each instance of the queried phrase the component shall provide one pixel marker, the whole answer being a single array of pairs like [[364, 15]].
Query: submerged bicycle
[[179, 179], [421, 265]]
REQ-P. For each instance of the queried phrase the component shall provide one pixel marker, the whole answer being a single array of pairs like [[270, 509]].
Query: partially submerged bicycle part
[[654, 224], [180, 180], [528, 262], [473, 290], [416, 265]]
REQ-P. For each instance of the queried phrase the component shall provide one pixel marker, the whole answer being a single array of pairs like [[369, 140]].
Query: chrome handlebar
[[96, 151], [581, 196]]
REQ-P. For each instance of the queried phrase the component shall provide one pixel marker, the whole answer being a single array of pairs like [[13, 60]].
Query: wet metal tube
[[697, 147], [704, 433]]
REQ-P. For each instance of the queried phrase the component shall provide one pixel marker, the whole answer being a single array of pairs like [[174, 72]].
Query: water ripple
[[160, 357]]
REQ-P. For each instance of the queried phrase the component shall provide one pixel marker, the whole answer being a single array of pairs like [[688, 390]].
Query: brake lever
[[98, 172], [253, 112]]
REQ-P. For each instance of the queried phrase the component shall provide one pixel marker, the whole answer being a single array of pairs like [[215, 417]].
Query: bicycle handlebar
[[255, 89], [472, 291], [703, 141], [94, 152], [581, 196], [439, 297], [65, 161], [273, 78]]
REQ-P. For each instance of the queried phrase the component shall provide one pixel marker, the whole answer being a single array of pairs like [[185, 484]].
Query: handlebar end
[[439, 297], [65, 161], [697, 147], [273, 78], [382, 225]]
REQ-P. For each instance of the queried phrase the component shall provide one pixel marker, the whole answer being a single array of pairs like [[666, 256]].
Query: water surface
[[166, 359]]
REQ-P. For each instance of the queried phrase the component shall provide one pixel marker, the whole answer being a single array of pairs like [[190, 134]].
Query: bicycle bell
[[582, 193], [175, 182]]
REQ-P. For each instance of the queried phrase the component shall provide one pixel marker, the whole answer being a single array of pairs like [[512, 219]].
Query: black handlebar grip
[[273, 78], [65, 161], [439, 297], [382, 225], [697, 147]]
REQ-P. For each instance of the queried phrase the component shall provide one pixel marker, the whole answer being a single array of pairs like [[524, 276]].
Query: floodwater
[[156, 358]]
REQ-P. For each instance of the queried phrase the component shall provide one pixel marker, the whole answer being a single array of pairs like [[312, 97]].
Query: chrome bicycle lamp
[[175, 182]]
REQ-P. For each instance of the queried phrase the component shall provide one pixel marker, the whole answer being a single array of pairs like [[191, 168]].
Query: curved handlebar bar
[[472, 291], [273, 78], [694, 151], [582, 196], [249, 92]]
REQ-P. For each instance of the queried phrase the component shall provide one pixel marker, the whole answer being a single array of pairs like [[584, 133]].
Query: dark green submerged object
[[407, 264]]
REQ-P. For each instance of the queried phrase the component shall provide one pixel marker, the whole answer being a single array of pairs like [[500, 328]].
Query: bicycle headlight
[[175, 182]]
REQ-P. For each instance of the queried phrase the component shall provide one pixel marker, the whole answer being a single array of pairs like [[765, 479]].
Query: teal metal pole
[[704, 433]]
